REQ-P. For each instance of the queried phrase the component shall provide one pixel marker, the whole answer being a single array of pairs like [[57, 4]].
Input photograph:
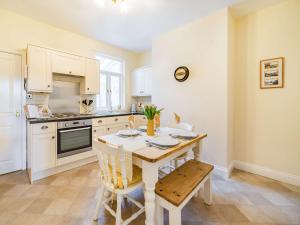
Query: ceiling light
[[123, 7], [100, 3]]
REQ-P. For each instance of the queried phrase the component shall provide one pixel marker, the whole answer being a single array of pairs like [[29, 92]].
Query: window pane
[[110, 65], [115, 91], [102, 98]]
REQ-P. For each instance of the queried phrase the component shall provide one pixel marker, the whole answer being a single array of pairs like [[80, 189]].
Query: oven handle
[[65, 131]]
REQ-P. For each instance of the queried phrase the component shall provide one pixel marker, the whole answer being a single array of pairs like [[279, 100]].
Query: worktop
[[82, 117]]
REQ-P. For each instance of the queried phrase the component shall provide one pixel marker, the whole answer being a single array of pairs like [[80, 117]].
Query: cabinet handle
[[116, 119], [44, 127], [108, 128], [99, 121], [70, 72], [49, 85], [94, 131], [53, 137], [88, 88]]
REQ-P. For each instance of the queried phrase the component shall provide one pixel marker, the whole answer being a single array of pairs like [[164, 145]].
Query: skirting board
[[267, 172]]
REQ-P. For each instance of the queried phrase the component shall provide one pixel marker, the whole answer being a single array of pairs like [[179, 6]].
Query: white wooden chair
[[115, 180], [186, 127], [176, 189]]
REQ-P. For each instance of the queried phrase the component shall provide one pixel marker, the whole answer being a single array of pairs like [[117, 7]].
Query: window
[[111, 84]]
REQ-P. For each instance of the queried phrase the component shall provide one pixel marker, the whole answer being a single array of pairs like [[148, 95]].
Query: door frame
[[23, 135]]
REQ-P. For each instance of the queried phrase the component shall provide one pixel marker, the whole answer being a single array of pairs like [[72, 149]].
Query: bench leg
[[208, 191], [159, 215], [174, 216], [118, 212]]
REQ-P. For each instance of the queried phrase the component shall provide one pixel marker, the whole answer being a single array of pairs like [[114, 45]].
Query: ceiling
[[133, 30]]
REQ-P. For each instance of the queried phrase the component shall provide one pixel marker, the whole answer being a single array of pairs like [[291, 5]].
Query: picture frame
[[272, 73]]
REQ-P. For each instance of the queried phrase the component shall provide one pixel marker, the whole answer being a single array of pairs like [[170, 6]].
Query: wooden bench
[[175, 190]]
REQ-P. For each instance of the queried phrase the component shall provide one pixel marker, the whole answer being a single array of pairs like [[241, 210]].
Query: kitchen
[[68, 93]]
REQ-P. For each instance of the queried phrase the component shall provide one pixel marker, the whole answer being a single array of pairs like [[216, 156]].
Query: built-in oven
[[73, 137]]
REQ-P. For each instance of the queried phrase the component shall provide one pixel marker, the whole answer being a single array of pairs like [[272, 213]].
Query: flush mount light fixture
[[121, 3]]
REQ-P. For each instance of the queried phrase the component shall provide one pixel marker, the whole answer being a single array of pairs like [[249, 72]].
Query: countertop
[[82, 117]]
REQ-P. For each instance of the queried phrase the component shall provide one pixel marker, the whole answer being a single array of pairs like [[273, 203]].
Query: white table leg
[[150, 177], [197, 151]]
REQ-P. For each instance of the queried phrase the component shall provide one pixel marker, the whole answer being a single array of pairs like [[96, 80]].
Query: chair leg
[[118, 212], [176, 163], [99, 203], [175, 216], [159, 215], [208, 191]]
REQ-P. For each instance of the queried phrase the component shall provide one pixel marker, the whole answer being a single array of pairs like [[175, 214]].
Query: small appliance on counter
[[133, 108], [88, 106], [37, 111]]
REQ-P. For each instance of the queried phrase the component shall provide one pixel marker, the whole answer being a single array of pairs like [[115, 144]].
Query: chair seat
[[177, 186], [136, 177]]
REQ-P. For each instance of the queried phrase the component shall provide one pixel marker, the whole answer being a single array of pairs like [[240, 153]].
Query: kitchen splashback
[[66, 94]]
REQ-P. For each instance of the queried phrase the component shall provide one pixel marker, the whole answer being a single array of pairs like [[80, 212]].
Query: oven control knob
[[66, 125], [83, 123]]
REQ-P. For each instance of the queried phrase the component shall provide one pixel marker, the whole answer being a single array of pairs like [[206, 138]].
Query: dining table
[[150, 158]]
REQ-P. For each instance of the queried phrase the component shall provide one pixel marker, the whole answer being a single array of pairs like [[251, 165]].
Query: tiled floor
[[70, 197]]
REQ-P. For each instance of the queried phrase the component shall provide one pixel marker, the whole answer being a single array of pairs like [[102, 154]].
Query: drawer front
[[100, 121], [110, 129], [44, 128], [118, 119]]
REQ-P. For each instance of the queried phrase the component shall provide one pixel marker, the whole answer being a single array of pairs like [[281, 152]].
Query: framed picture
[[272, 73]]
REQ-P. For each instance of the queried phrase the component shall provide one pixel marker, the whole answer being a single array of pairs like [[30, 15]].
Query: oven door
[[71, 141]]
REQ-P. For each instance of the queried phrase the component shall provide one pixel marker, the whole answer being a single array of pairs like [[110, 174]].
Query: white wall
[[17, 31], [203, 98], [268, 121], [144, 58]]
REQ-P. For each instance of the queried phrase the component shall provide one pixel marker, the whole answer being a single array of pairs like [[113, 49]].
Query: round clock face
[[181, 73]]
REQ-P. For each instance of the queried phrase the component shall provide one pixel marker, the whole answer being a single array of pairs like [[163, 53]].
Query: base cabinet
[[43, 152]]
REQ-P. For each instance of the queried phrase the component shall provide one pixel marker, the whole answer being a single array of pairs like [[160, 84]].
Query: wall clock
[[181, 73]]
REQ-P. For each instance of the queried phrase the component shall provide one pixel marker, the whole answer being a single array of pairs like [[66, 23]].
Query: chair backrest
[[183, 126], [112, 163]]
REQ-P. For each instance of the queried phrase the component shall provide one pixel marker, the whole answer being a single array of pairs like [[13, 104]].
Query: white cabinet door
[[10, 109], [43, 151], [64, 63], [142, 82], [39, 71], [91, 83], [99, 131], [148, 81]]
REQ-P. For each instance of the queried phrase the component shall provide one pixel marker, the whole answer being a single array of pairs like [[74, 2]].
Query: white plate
[[143, 128], [164, 141], [129, 132], [184, 134]]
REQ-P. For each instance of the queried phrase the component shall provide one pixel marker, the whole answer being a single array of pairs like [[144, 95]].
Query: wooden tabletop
[[152, 154]]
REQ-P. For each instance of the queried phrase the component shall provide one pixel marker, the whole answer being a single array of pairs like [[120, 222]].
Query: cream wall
[[18, 31], [203, 98], [268, 121], [144, 58]]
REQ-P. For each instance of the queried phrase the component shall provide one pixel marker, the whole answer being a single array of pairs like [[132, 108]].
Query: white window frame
[[108, 84]]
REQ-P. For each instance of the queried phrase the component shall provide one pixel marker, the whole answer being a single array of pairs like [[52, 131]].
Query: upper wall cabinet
[[39, 77], [64, 63], [142, 82], [91, 83]]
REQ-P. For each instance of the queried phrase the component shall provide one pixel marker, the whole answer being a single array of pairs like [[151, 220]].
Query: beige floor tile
[[254, 214], [69, 192], [35, 191], [278, 199], [5, 188], [39, 205], [7, 218], [257, 198], [275, 214], [18, 190], [58, 207], [61, 181], [79, 181], [25, 219], [72, 221], [18, 204], [49, 220], [232, 214]]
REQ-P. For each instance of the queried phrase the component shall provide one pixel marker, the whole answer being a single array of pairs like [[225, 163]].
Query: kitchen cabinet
[[39, 78], [43, 151], [91, 82], [142, 82], [140, 120], [64, 63], [110, 129]]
